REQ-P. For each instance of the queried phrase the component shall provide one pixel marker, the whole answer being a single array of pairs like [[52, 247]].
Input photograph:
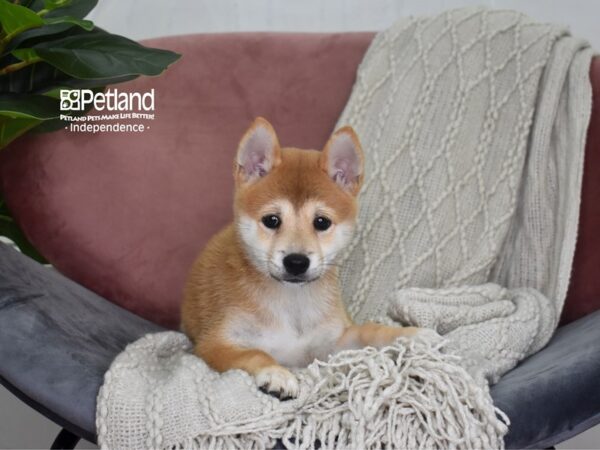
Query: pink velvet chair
[[122, 216]]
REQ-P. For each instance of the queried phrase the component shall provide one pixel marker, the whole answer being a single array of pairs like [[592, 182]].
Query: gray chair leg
[[65, 440]]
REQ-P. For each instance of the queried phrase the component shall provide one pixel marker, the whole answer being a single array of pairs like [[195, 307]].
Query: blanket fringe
[[407, 395]]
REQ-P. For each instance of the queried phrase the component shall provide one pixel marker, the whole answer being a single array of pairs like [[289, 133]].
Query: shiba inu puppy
[[264, 294]]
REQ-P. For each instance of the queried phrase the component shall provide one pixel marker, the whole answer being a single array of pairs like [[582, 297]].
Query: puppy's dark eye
[[271, 221], [321, 223]]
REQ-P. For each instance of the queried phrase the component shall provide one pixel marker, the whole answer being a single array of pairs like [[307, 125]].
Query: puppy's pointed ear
[[258, 152], [342, 159]]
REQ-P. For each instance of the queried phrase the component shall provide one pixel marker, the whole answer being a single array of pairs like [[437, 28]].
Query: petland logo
[[111, 100], [123, 112]]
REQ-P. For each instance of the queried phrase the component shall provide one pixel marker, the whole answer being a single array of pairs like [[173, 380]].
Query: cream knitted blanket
[[473, 124]]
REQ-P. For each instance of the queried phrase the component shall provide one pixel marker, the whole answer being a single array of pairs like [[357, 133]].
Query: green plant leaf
[[28, 106], [99, 55], [75, 8], [28, 37], [25, 54], [42, 77], [53, 4], [35, 78], [87, 25], [16, 19], [58, 26], [54, 92], [48, 126], [10, 229], [34, 36], [10, 129]]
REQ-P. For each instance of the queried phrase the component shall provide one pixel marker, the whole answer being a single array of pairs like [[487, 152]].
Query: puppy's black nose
[[296, 263]]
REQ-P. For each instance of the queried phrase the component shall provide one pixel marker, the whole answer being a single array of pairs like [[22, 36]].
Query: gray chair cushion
[[57, 339], [554, 394]]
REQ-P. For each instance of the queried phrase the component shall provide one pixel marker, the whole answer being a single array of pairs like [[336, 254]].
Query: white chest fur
[[296, 324]]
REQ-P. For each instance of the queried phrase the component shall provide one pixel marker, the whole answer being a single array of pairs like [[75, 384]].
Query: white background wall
[[152, 18], [138, 19]]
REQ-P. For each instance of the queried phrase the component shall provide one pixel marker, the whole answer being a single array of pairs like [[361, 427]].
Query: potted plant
[[46, 45]]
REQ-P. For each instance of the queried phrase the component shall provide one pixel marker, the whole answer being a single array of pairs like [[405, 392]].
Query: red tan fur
[[242, 308]]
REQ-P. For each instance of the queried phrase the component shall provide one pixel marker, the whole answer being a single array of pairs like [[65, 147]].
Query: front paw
[[392, 333], [278, 382], [428, 334]]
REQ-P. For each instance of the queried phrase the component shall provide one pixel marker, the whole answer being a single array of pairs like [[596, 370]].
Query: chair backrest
[[126, 214], [584, 290]]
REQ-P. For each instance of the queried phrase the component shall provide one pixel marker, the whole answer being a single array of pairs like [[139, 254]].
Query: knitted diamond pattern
[[442, 178]]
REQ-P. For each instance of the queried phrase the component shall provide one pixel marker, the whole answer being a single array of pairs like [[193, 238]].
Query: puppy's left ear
[[258, 152], [342, 159]]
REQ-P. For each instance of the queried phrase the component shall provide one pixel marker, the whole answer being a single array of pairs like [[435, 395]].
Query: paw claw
[[278, 382]]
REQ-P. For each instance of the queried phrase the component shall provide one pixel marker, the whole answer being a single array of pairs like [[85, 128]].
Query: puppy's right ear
[[258, 152], [342, 159]]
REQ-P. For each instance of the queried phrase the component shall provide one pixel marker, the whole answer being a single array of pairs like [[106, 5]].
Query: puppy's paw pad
[[278, 382]]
